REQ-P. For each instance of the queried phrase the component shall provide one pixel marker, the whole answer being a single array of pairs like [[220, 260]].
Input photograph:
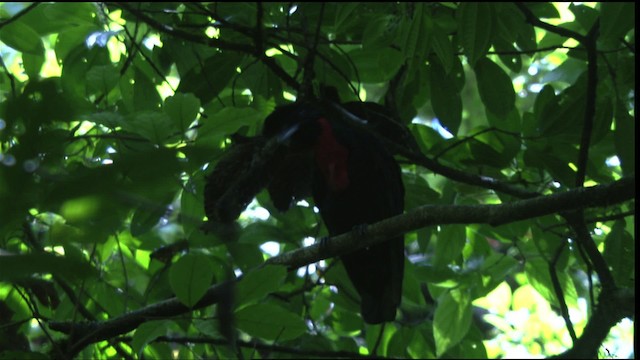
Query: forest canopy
[[517, 157]]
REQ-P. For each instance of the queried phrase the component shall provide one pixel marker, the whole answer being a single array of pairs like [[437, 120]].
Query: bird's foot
[[360, 230], [324, 244]]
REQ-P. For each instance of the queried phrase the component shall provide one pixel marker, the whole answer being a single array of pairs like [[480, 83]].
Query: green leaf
[[208, 80], [619, 253], [49, 18], [602, 120], [451, 240], [624, 137], [71, 38], [190, 277], [616, 18], [399, 342], [61, 234], [18, 267], [585, 15], [191, 209], [257, 284], [545, 105], [376, 65], [445, 97], [495, 88], [376, 34], [108, 119], [22, 37], [269, 322], [226, 122], [145, 94], [146, 217], [452, 319], [320, 305], [101, 79], [148, 332], [32, 64], [511, 27], [443, 48], [543, 10], [344, 15], [420, 191], [508, 55], [182, 109], [475, 23], [484, 154], [246, 256], [416, 38], [537, 271], [153, 125]]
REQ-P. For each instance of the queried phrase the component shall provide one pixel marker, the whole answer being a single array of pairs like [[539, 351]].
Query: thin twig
[[557, 288]]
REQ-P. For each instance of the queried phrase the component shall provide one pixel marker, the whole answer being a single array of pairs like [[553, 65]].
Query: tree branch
[[428, 215], [612, 307], [260, 346], [86, 333], [533, 20]]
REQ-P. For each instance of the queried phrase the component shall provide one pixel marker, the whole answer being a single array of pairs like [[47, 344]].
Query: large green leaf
[[619, 253], [624, 139], [22, 37], [475, 24], [537, 270], [451, 320], [182, 109], [414, 36], [20, 267], [152, 125], [376, 65], [208, 80], [442, 47], [257, 284], [451, 240], [226, 122], [270, 322], [148, 332], [445, 97], [617, 18], [190, 277], [101, 79], [495, 87], [48, 18]]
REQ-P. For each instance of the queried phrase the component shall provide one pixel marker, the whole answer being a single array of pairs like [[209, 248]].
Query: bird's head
[[295, 125]]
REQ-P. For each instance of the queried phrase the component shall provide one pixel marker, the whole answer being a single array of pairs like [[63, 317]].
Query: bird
[[355, 181]]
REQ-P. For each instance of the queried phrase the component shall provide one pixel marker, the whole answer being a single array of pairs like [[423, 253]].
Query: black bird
[[355, 181]]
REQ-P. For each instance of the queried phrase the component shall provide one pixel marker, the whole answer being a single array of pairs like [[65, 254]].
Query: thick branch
[[533, 20], [267, 348], [90, 332], [428, 215]]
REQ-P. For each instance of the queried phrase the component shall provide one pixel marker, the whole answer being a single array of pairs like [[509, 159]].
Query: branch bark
[[428, 215]]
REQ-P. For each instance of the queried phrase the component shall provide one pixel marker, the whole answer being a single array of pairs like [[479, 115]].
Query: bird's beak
[[285, 135]]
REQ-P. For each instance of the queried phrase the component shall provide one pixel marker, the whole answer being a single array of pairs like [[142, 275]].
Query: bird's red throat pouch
[[332, 157]]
